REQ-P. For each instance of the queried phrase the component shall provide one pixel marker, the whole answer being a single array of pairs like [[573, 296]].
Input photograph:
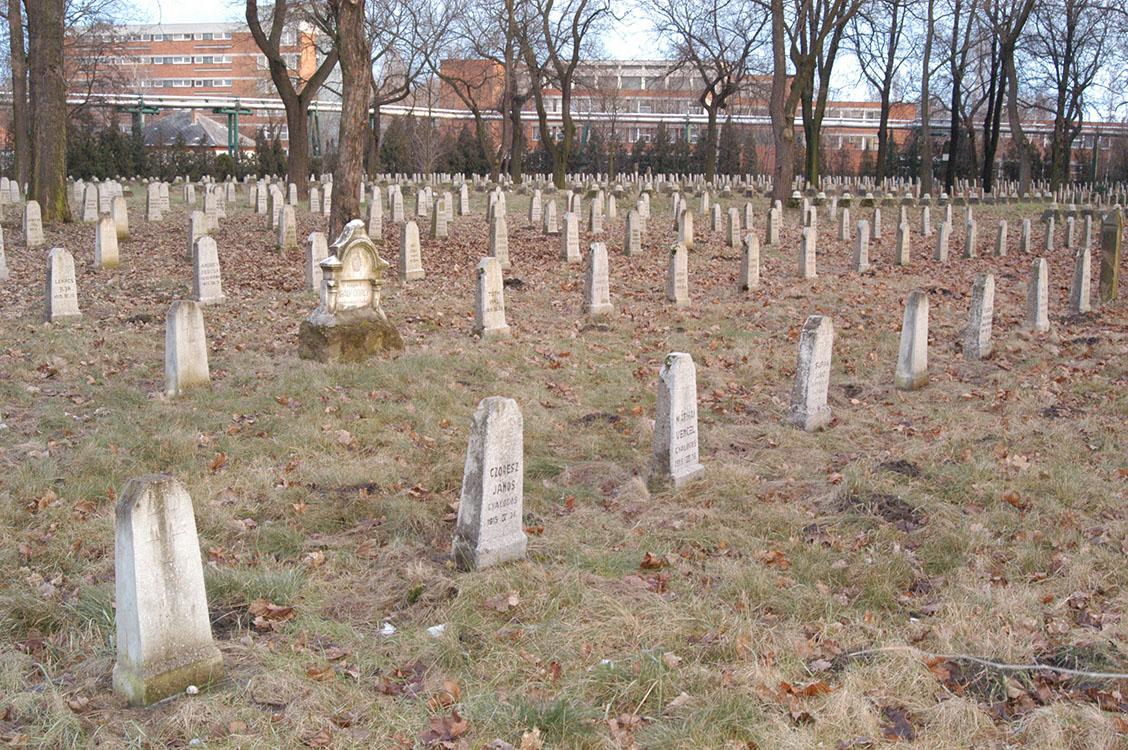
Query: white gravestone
[[632, 234], [1079, 291], [90, 204], [316, 251], [1037, 294], [106, 244], [912, 355], [207, 282], [977, 337], [942, 236], [62, 288], [597, 291], [164, 638], [901, 251], [570, 239], [676, 450], [677, 276], [490, 528], [197, 228], [549, 225], [33, 225], [1001, 240], [499, 240], [861, 246], [489, 312], [812, 375], [375, 219], [410, 257], [749, 263], [120, 213], [186, 348], [807, 254]]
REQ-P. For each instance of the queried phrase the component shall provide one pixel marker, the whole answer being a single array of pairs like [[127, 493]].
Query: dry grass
[[984, 514]]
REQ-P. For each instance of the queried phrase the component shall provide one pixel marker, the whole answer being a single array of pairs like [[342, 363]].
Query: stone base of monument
[[467, 556], [811, 421], [162, 680], [349, 336]]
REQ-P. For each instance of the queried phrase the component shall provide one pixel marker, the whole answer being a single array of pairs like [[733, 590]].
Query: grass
[[983, 514]]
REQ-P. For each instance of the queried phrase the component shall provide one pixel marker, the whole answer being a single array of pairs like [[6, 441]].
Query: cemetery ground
[[798, 595]]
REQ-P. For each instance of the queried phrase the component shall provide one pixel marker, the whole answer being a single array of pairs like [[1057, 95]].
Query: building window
[[207, 36], [534, 133], [156, 37]]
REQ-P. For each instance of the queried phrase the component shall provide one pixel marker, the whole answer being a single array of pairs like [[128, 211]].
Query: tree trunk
[[352, 49], [1021, 142], [297, 162], [22, 135], [517, 145], [883, 137], [711, 143], [783, 122], [49, 105], [925, 107]]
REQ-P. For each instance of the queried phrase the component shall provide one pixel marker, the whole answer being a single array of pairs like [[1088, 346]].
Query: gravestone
[[549, 225], [632, 234], [287, 229], [970, 244], [4, 273], [807, 254], [771, 229], [1079, 291], [120, 214], [90, 204], [260, 198], [749, 263], [489, 310], [597, 292], [315, 200], [349, 324], [32, 225], [977, 336], [186, 348], [164, 639], [410, 256], [153, 202], [1001, 240], [463, 200], [912, 355], [844, 225], [439, 221], [327, 200], [292, 194], [570, 239], [685, 229], [861, 246], [316, 251], [677, 276], [942, 236], [812, 375], [926, 222], [732, 228], [1112, 232], [1049, 246], [499, 241], [1037, 297], [207, 282], [211, 211], [197, 227], [62, 289], [715, 218], [901, 251], [535, 211], [676, 457], [595, 219], [397, 207], [276, 204], [491, 524], [106, 244], [877, 223], [1024, 240], [376, 219]]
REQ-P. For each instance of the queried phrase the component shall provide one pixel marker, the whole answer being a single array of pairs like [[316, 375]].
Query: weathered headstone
[[926, 222], [106, 244], [316, 251], [977, 336], [211, 211], [749, 263], [1079, 291], [685, 229], [1037, 297], [499, 241], [186, 348], [287, 229], [207, 281], [1112, 233], [349, 324], [90, 204], [549, 225], [491, 524], [861, 246], [844, 225], [570, 239], [4, 273], [1001, 240], [120, 214], [1024, 240], [632, 234], [677, 276], [197, 227], [595, 219], [807, 254], [912, 355], [315, 200], [732, 227], [32, 225], [439, 221], [1049, 246], [771, 228], [164, 638], [597, 291], [676, 454], [375, 219], [970, 244], [410, 255], [62, 289], [901, 251], [812, 375], [489, 312]]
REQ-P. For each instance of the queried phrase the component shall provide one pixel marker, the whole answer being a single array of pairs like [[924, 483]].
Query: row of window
[[205, 36], [186, 83]]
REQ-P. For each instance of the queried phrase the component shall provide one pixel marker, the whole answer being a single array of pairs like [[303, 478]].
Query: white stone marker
[[491, 522], [597, 291], [211, 211], [970, 243], [316, 251], [186, 348], [595, 218], [732, 227], [1001, 240], [207, 282], [941, 254], [1037, 297], [439, 220], [912, 356], [926, 222], [1049, 234], [489, 312], [1079, 291], [327, 199], [844, 225], [977, 336], [535, 208], [106, 244], [120, 213], [771, 230], [1024, 242], [632, 234], [197, 227], [314, 200], [499, 240], [463, 200], [749, 264], [676, 456], [877, 223], [397, 206], [376, 219], [812, 375], [570, 239], [410, 256], [164, 638], [62, 289], [901, 250], [287, 229], [677, 276], [807, 254], [861, 246], [90, 204], [32, 225], [549, 225], [685, 229]]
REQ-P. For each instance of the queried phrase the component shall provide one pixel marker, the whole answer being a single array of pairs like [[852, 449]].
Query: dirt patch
[[901, 466], [596, 416], [889, 508]]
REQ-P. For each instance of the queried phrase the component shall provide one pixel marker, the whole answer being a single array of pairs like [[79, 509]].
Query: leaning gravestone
[[676, 452], [316, 251], [33, 225], [812, 375], [349, 324], [489, 310], [207, 283], [410, 256], [186, 348], [62, 289], [164, 638], [597, 292], [1112, 233], [977, 337], [912, 355], [106, 244], [490, 528]]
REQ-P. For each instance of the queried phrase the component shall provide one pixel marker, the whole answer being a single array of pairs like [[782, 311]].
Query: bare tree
[[718, 40], [46, 24], [877, 34], [20, 120], [554, 36], [925, 137], [296, 94]]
